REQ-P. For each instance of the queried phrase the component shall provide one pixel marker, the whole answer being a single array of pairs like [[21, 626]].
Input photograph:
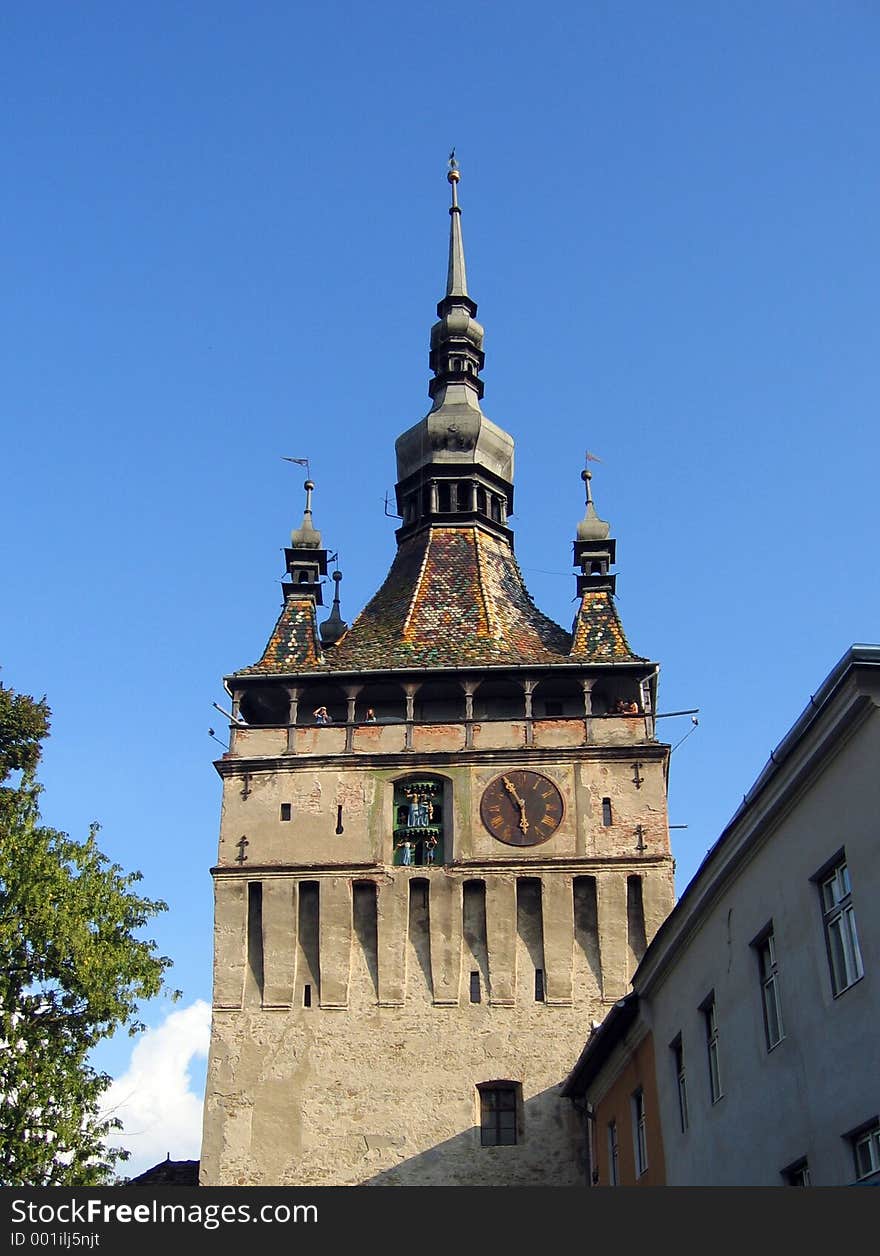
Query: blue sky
[[224, 233]]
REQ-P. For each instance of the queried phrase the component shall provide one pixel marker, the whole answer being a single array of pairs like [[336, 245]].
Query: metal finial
[[453, 175], [586, 476], [335, 627]]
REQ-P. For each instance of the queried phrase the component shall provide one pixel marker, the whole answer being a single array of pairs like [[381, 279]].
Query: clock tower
[[424, 897]]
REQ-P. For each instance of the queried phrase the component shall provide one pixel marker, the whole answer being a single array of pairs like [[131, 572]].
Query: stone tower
[[422, 905]]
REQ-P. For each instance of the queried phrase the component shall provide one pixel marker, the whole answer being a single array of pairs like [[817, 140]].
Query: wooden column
[[293, 696]]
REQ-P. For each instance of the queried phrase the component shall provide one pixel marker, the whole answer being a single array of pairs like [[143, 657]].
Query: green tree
[[72, 971]]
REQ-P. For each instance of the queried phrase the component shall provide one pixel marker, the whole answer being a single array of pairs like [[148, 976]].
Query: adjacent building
[[444, 842], [746, 1053]]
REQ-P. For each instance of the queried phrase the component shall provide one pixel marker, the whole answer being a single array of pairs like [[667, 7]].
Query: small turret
[[334, 627], [306, 560], [594, 550]]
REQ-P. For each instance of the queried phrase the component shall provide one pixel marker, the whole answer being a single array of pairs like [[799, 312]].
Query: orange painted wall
[[616, 1104]]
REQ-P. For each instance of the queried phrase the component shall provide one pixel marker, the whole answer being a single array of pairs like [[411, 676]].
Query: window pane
[[866, 1157], [838, 955], [851, 945], [714, 1072], [829, 892], [771, 1008]]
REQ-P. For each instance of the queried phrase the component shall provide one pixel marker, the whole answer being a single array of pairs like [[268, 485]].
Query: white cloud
[[154, 1099]]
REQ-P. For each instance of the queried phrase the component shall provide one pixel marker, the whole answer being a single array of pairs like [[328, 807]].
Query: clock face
[[521, 808]]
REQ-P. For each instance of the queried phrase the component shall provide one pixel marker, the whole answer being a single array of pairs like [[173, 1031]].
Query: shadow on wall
[[550, 1146]]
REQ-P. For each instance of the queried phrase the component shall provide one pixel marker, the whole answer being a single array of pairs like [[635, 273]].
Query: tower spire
[[306, 559], [594, 549], [456, 278], [455, 467], [457, 339]]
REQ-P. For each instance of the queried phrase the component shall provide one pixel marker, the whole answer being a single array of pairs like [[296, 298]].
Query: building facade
[[753, 1023], [444, 839]]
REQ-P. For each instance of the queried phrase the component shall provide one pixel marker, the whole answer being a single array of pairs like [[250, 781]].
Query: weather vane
[[300, 462]]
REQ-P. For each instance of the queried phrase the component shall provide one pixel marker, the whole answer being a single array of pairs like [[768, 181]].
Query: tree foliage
[[72, 971]]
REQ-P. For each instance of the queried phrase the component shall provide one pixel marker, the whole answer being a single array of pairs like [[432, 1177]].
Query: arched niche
[[558, 696], [264, 705], [616, 697], [387, 701], [331, 696], [421, 820], [499, 699], [440, 702]]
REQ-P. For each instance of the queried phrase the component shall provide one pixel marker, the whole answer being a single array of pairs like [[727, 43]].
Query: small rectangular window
[[680, 1081], [710, 1020], [307, 996], [613, 1155], [640, 1132], [765, 947], [841, 936], [475, 987], [498, 1116], [797, 1174], [539, 985], [606, 812], [866, 1150], [285, 811]]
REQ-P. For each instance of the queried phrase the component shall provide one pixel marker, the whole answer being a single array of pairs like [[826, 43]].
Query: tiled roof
[[293, 646], [454, 597], [168, 1173], [598, 632]]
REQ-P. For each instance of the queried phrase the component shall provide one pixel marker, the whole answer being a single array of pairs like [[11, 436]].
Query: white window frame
[[677, 1049], [841, 936], [765, 947], [797, 1174], [613, 1155], [640, 1132], [866, 1152], [710, 1015]]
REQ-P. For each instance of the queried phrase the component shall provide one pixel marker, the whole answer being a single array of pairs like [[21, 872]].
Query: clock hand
[[523, 822], [512, 791]]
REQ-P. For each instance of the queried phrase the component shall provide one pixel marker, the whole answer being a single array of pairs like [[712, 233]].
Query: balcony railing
[[424, 737]]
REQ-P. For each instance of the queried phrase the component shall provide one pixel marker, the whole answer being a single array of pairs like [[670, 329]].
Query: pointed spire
[[594, 550], [457, 339], [591, 527], [334, 627], [456, 277], [306, 536], [455, 466], [306, 558]]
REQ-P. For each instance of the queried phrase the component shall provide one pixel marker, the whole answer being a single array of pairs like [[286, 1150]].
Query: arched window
[[418, 821]]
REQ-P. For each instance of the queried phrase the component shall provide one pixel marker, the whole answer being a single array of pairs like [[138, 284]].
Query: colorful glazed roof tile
[[598, 632], [293, 646], [453, 597]]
